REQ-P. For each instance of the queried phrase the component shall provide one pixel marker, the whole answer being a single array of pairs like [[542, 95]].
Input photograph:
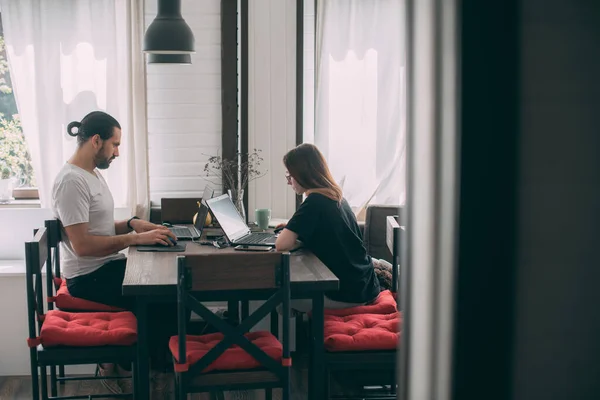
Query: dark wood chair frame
[[36, 256], [234, 277], [385, 361]]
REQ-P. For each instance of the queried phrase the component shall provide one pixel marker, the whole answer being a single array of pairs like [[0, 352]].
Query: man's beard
[[102, 162]]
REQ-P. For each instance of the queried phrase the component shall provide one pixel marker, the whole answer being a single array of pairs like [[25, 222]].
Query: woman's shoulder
[[320, 197], [320, 201]]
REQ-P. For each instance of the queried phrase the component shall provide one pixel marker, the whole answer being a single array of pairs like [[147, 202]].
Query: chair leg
[[53, 381], [181, 388], [269, 394], [44, 382], [35, 384], [287, 389], [326, 383], [134, 381], [61, 373], [176, 387], [300, 333]]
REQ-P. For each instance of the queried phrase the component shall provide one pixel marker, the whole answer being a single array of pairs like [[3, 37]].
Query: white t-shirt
[[79, 196]]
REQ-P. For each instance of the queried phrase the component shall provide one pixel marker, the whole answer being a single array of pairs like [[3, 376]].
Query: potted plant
[[236, 174], [6, 184]]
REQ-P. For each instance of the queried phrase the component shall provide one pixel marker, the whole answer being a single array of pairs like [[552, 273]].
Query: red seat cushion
[[362, 332], [65, 301], [385, 303], [61, 328], [233, 358]]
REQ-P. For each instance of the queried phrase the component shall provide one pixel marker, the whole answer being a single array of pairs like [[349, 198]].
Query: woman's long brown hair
[[308, 167]]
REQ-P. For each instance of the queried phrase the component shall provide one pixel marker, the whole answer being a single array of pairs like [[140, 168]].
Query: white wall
[[272, 100], [184, 107]]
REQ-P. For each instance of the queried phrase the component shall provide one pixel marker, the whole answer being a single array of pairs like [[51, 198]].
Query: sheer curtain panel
[[70, 57], [360, 98]]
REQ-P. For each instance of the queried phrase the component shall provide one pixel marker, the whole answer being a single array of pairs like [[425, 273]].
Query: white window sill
[[10, 268], [21, 204]]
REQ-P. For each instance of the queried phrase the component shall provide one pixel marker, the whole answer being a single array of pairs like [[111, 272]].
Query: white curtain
[[360, 108], [138, 193], [70, 57]]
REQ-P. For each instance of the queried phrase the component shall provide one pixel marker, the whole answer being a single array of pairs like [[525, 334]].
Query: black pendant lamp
[[169, 59], [169, 33]]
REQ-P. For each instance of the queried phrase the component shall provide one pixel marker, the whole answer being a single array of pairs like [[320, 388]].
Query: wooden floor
[[19, 387]]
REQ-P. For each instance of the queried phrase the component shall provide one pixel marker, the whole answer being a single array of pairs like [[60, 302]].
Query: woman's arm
[[286, 240]]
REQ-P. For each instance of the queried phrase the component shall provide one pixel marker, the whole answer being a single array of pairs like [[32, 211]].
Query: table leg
[[143, 365], [317, 366]]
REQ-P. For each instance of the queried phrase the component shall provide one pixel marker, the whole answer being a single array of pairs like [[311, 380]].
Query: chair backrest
[[178, 211], [36, 254], [393, 241], [53, 273], [234, 276], [375, 230]]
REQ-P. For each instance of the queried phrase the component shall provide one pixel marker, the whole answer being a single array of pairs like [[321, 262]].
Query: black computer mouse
[[172, 241]]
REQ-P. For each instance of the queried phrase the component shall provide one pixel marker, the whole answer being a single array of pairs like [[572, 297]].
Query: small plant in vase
[[6, 183], [235, 174]]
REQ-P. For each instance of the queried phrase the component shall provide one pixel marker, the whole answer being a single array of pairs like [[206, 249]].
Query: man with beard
[[92, 240]]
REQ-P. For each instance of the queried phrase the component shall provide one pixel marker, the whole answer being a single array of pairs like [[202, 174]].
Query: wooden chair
[[233, 358], [62, 338], [58, 294]]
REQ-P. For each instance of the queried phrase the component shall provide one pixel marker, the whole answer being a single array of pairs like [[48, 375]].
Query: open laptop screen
[[230, 220]]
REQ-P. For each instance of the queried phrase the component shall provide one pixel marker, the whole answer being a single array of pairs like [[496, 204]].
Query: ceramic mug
[[263, 216]]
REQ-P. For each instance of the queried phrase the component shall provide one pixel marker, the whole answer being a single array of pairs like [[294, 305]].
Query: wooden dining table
[[152, 278]]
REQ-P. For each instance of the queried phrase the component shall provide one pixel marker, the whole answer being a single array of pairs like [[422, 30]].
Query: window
[[359, 97], [15, 162]]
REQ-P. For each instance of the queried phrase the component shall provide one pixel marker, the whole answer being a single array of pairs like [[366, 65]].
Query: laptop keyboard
[[181, 232], [257, 238]]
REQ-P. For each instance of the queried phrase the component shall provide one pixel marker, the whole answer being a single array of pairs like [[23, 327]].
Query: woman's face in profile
[[295, 185]]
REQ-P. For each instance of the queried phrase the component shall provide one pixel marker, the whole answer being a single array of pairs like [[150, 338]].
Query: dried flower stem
[[243, 169]]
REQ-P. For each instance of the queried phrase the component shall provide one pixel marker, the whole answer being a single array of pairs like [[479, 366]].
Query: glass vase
[[237, 197]]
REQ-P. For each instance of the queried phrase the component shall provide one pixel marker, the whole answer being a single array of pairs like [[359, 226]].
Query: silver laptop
[[193, 232], [233, 224]]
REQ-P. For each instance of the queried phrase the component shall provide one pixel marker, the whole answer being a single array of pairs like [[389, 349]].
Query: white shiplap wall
[[184, 107], [272, 100]]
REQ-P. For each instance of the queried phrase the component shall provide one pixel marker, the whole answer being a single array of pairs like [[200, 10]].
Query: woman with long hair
[[326, 225]]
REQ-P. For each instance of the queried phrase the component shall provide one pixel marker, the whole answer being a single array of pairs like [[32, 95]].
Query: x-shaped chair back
[[237, 276]]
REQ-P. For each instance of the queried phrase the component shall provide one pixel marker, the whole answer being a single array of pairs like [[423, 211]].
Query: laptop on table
[[193, 232], [233, 225]]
